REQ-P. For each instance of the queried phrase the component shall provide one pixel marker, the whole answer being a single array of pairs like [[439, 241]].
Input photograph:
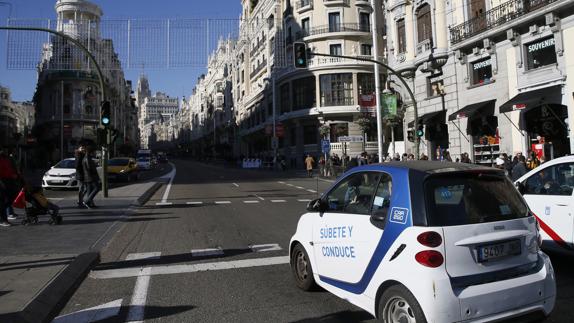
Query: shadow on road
[[343, 316]]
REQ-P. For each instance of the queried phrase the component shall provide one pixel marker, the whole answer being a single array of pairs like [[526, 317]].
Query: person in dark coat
[[80, 154], [91, 179], [519, 169]]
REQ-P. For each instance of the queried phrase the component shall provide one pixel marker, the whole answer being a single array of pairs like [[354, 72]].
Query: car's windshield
[[118, 162], [66, 163], [472, 198]]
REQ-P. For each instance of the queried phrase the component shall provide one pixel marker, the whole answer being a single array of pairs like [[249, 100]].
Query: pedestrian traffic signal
[[300, 54], [420, 131], [105, 117], [411, 135]]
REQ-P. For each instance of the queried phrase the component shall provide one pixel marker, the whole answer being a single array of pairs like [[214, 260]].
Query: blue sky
[[173, 81]]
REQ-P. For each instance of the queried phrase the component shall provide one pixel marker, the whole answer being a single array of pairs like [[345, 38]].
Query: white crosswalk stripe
[[278, 201], [222, 202], [250, 202], [143, 255], [207, 252]]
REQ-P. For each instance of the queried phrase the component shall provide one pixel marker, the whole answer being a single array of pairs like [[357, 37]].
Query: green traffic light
[[420, 133]]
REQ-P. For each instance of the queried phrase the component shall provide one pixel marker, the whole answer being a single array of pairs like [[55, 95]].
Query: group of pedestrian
[[87, 176], [519, 164]]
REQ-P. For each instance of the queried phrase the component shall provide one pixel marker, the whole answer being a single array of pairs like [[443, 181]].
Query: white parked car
[[62, 175], [425, 242], [548, 190]]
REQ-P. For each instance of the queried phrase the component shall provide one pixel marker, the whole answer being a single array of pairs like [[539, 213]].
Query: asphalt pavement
[[212, 246], [42, 264]]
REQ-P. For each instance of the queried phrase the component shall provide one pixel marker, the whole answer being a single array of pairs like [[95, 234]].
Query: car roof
[[426, 166]]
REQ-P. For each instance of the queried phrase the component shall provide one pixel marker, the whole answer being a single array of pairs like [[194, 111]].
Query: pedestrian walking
[[309, 161], [80, 153], [11, 185], [519, 169], [91, 179]]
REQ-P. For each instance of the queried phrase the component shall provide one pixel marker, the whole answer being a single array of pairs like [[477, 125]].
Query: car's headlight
[[122, 171], [46, 174], [72, 175]]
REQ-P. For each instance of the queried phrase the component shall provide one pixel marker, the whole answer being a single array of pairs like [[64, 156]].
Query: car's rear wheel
[[301, 268], [398, 305]]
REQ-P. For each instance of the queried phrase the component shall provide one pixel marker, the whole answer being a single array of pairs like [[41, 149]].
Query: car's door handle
[[557, 204]]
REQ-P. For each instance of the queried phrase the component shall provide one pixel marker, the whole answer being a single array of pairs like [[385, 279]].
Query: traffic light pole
[[101, 81], [403, 81]]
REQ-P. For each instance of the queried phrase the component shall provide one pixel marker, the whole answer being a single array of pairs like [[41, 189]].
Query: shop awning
[[485, 108], [527, 100], [430, 118]]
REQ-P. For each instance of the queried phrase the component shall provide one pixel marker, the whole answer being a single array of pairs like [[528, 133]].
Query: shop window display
[[540, 53], [481, 71]]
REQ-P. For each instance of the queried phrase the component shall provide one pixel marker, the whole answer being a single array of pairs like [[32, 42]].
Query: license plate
[[57, 181], [499, 250]]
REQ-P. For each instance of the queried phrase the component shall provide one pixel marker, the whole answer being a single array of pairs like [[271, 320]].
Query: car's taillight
[[430, 258], [430, 239]]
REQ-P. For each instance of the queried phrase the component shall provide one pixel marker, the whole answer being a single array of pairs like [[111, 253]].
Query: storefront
[[543, 120], [482, 130]]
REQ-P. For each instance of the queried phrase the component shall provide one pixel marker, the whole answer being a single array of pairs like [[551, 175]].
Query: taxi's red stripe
[[552, 233]]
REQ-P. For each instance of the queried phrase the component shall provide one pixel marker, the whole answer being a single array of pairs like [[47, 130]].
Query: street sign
[[350, 139], [274, 143], [325, 146]]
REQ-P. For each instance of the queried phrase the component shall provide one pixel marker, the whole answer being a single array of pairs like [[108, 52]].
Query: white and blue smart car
[[425, 242]]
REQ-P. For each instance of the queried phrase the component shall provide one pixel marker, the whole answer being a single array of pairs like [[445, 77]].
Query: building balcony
[[334, 28], [303, 5], [257, 46], [258, 69], [336, 3], [363, 3], [497, 16], [320, 61]]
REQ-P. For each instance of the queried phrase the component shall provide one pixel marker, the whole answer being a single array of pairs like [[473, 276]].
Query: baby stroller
[[37, 204]]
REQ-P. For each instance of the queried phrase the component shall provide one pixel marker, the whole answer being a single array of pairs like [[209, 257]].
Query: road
[[217, 240]]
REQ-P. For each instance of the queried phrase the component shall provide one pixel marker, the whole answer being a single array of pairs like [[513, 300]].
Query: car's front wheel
[[301, 268], [398, 305]]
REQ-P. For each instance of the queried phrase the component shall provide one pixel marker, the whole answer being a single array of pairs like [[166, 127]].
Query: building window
[[366, 83], [401, 36], [481, 71], [364, 21], [540, 53], [336, 89], [334, 22], [285, 98], [336, 49], [435, 87], [366, 49], [424, 27], [310, 134], [305, 26], [304, 93]]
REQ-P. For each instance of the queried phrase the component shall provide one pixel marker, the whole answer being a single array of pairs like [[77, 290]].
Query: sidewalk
[[41, 265]]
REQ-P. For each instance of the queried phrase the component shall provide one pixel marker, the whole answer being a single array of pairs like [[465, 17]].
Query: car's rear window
[[472, 198]]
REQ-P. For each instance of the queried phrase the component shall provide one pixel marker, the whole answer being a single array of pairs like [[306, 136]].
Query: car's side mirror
[[520, 187], [316, 205]]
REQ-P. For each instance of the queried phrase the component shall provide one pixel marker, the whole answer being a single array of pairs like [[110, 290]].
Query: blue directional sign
[[325, 146]]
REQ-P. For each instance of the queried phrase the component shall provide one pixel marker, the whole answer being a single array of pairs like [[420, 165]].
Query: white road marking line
[[163, 203], [259, 197], [222, 202], [265, 247], [281, 182], [139, 297], [192, 268], [326, 180], [171, 176], [194, 203], [278, 201], [144, 255], [250, 202], [311, 191], [299, 187], [56, 199], [235, 184], [290, 184], [304, 200], [92, 314], [206, 252]]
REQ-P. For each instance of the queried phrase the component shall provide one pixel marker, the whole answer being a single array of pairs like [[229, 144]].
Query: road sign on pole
[[325, 146]]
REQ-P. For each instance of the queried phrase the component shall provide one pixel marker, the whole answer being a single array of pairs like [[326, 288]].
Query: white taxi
[[549, 191], [425, 241]]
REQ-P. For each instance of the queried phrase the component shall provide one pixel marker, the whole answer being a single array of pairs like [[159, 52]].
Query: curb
[[147, 194], [56, 293]]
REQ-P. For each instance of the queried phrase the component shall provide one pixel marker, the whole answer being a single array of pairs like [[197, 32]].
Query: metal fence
[[118, 44]]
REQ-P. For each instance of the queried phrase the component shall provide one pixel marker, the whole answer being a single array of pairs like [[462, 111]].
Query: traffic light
[[420, 131], [300, 54], [106, 114], [101, 137], [411, 135], [114, 135]]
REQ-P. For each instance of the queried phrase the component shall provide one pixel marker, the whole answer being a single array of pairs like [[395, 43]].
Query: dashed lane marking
[[235, 184], [207, 252], [299, 187], [191, 268], [163, 203], [265, 247], [259, 197], [194, 203], [222, 202], [304, 200], [278, 201], [311, 191], [281, 182], [144, 255], [250, 202], [290, 185]]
